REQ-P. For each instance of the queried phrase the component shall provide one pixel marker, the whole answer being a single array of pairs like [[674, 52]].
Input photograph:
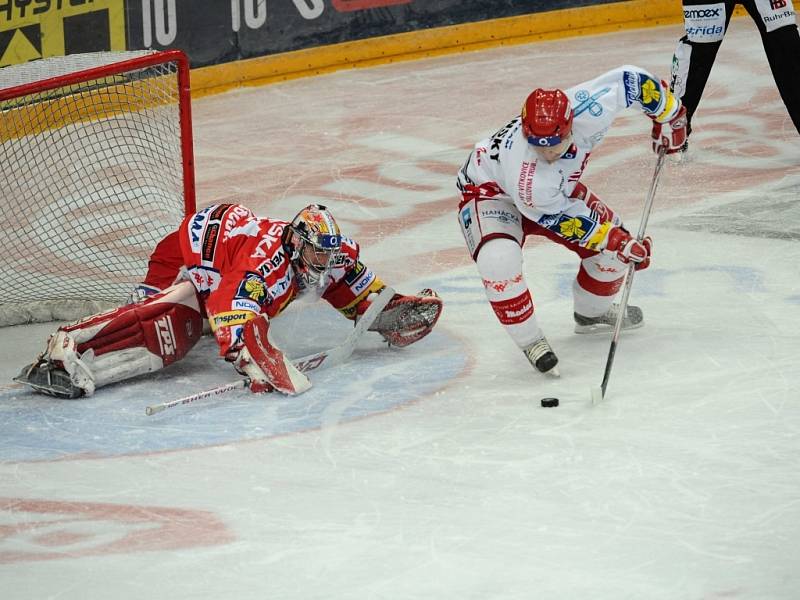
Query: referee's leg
[[782, 46], [705, 24]]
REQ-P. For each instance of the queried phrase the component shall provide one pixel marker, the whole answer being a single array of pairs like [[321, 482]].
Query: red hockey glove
[[672, 134], [628, 249], [267, 367]]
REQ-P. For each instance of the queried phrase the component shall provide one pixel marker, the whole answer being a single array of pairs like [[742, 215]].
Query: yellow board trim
[[439, 41]]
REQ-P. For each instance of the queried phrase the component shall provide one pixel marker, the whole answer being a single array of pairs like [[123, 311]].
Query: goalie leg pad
[[267, 367], [408, 319], [119, 344]]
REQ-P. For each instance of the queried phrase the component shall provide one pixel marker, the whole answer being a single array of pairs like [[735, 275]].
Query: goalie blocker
[[140, 338]]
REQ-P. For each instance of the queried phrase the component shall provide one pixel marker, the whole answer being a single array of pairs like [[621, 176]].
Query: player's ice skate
[[634, 318], [542, 357]]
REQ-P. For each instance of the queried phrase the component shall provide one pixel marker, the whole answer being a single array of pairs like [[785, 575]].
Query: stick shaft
[[628, 283], [234, 385]]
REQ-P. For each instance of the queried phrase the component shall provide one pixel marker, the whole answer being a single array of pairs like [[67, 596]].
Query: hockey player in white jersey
[[526, 180]]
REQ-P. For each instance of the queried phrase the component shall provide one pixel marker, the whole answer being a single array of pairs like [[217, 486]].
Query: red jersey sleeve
[[165, 262], [352, 281]]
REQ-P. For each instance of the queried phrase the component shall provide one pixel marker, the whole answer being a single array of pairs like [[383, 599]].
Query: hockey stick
[[598, 393], [234, 385], [325, 358]]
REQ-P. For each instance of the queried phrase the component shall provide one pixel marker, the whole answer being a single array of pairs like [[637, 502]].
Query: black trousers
[[782, 46]]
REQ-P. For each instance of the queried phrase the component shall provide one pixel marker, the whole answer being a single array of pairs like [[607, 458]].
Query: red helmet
[[547, 117]]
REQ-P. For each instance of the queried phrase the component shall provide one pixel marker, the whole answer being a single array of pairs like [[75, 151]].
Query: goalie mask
[[314, 241]]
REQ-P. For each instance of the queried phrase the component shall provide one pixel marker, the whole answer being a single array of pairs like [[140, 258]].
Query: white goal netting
[[95, 168]]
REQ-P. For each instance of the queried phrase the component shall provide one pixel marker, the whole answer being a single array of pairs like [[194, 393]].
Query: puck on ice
[[549, 402]]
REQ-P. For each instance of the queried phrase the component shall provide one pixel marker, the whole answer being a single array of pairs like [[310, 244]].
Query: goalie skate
[[607, 321], [47, 378]]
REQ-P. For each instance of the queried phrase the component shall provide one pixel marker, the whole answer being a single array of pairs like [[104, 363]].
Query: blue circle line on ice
[[113, 422]]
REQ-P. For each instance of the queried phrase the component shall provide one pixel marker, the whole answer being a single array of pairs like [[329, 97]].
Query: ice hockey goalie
[[238, 271]]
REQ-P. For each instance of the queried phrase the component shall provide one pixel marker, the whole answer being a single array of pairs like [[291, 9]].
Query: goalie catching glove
[[406, 319], [267, 367]]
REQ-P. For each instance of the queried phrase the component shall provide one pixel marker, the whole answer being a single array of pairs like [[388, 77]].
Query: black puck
[[549, 402]]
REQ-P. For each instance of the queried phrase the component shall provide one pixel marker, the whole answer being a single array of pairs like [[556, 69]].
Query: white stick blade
[[597, 395]]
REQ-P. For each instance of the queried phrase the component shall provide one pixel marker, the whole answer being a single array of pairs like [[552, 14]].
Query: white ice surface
[[432, 472]]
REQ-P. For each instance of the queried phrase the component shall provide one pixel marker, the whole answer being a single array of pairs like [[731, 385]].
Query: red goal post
[[96, 166]]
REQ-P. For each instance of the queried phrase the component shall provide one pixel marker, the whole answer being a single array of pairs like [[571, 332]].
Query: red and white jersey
[[506, 166], [240, 266]]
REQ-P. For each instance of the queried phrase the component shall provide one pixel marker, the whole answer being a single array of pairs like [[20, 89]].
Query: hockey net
[[96, 166]]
